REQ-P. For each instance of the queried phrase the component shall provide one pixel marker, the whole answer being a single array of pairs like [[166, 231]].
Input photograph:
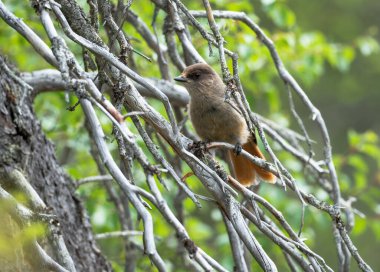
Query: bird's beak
[[180, 79]]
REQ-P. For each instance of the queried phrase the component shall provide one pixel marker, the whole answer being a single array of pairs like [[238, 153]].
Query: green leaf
[[368, 45], [345, 57], [281, 15], [360, 225], [353, 138], [358, 163]]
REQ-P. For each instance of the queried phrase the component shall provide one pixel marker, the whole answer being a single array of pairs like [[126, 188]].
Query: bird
[[215, 119]]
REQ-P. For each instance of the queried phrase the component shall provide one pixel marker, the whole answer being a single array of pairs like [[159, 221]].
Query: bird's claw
[[238, 148]]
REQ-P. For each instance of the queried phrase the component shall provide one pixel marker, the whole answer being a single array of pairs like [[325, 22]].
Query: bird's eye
[[194, 76]]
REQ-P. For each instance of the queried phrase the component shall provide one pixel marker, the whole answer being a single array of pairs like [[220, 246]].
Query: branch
[[49, 80], [115, 62], [116, 234], [117, 78], [12, 178], [37, 43], [23, 216]]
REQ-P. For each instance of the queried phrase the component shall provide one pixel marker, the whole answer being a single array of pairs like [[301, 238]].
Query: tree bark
[[23, 146]]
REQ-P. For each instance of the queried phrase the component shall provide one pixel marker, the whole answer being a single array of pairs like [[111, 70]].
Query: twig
[[114, 61], [13, 178], [116, 234], [106, 178], [124, 184], [221, 193]]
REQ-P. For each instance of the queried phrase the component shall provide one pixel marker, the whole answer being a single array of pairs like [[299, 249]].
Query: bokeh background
[[332, 49]]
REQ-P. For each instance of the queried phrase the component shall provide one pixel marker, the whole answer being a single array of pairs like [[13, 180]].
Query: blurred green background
[[331, 47]]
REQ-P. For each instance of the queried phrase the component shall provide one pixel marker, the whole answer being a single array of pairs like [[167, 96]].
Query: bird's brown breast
[[216, 120]]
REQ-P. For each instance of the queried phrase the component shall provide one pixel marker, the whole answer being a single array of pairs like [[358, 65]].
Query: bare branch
[[12, 178], [37, 43], [127, 87], [116, 234]]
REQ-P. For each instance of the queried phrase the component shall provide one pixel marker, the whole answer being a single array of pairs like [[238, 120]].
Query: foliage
[[309, 55]]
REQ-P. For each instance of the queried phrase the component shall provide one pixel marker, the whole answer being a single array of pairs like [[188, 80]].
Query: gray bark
[[23, 146]]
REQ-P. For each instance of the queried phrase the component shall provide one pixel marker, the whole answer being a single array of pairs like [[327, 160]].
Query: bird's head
[[200, 78]]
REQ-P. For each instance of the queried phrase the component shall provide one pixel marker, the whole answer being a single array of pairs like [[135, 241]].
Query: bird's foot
[[238, 148]]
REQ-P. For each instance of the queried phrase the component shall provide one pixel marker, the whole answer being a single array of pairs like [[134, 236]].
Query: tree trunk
[[23, 146]]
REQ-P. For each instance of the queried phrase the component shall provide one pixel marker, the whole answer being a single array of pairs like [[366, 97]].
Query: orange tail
[[245, 171]]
